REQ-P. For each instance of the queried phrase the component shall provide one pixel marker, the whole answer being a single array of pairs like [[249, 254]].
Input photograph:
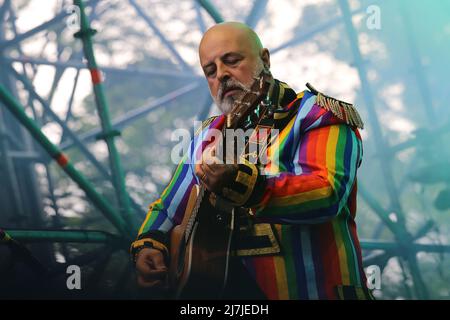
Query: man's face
[[229, 63]]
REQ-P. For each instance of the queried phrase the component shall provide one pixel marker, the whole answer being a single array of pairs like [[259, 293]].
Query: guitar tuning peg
[[248, 123], [256, 111], [266, 102]]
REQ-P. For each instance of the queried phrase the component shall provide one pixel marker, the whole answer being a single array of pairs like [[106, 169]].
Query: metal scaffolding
[[22, 141]]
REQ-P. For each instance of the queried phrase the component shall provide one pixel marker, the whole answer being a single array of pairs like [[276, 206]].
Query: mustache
[[230, 84]]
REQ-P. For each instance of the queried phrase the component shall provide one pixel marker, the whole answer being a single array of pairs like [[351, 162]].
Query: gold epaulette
[[205, 123], [344, 111]]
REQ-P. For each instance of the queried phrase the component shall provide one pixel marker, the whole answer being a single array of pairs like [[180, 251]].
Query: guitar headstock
[[258, 91]]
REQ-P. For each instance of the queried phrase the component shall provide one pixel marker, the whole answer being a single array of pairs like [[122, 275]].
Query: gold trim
[[262, 229], [156, 244], [243, 178], [342, 110], [280, 115], [281, 93]]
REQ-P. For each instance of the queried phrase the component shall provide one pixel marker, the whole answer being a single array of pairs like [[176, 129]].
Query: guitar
[[200, 245]]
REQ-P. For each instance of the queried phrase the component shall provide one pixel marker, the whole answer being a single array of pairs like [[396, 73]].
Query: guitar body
[[199, 262]]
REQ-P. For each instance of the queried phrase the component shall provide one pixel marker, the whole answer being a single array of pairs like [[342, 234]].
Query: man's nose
[[223, 74]]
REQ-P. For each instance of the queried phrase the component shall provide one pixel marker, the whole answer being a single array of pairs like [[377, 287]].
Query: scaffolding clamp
[[89, 32], [108, 134]]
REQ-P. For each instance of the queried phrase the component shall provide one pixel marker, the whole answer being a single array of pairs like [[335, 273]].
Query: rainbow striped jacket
[[310, 198]]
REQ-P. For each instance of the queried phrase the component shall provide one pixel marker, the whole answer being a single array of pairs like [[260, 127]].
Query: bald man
[[297, 237], [231, 55]]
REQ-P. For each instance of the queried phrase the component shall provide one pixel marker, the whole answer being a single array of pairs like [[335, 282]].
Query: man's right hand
[[151, 269]]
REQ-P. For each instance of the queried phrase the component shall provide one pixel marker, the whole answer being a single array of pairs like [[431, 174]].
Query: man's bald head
[[242, 32], [231, 54]]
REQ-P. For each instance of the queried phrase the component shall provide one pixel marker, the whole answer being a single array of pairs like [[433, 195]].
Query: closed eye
[[209, 71], [232, 59]]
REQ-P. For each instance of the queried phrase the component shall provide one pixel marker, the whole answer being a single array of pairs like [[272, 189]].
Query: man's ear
[[265, 57]]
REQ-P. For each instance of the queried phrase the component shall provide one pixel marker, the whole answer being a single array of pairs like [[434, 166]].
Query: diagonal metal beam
[[423, 87], [18, 111], [130, 71], [310, 33], [9, 170], [46, 25], [432, 132], [211, 9], [129, 117], [258, 10], [199, 17], [59, 121], [67, 131], [370, 104], [71, 100], [159, 34], [21, 37], [3, 8]]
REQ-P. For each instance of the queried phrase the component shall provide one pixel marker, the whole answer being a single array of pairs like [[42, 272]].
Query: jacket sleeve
[[321, 175], [169, 209]]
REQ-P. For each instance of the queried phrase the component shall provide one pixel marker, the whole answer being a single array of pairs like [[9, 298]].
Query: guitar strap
[[251, 238]]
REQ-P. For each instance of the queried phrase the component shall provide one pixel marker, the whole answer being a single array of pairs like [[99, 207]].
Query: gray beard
[[227, 104]]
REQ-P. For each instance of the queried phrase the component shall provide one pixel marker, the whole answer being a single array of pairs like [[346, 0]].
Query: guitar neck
[[259, 89], [194, 214]]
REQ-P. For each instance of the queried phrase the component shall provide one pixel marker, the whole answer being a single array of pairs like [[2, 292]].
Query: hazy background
[[147, 50]]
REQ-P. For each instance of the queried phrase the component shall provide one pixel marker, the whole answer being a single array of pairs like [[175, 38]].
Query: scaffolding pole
[[81, 236], [108, 134], [18, 111]]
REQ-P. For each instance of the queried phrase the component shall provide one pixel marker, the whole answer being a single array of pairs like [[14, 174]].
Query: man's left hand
[[214, 174]]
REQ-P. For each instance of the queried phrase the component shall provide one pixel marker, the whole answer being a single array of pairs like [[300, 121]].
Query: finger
[[198, 170], [214, 160], [209, 156], [150, 284], [208, 176], [208, 169], [154, 275], [155, 283], [158, 261], [143, 266], [200, 173], [147, 267], [206, 154], [212, 180]]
